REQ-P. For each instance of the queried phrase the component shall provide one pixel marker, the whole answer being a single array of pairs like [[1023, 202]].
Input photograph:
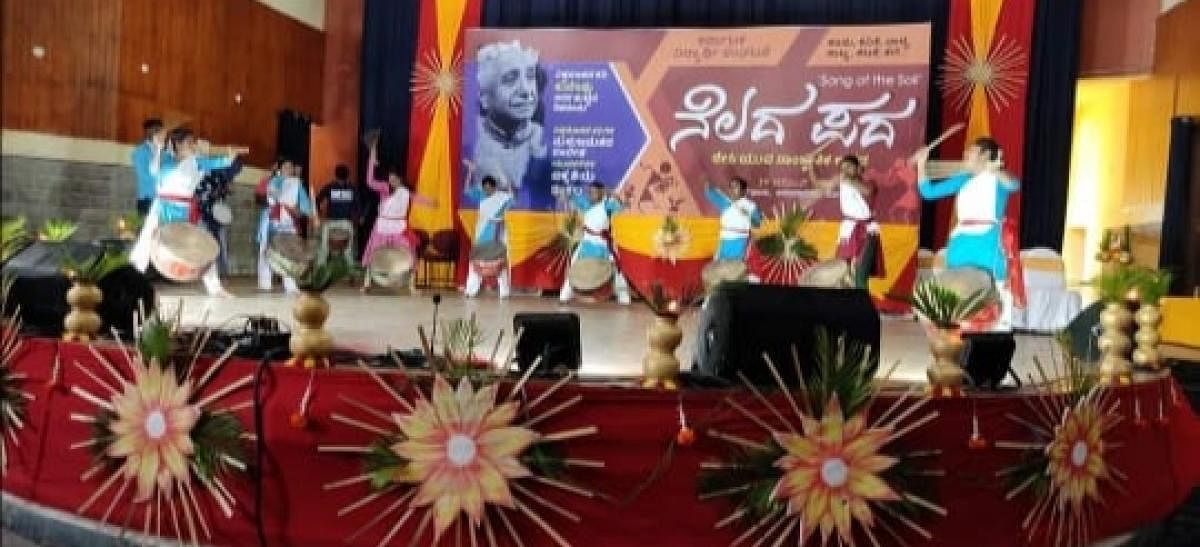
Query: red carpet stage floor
[[613, 337], [646, 491]]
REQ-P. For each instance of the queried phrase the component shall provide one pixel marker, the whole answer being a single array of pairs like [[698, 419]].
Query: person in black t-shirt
[[340, 209]]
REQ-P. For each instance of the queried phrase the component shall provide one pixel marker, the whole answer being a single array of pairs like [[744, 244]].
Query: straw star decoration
[[999, 72], [834, 475], [435, 79], [461, 459], [159, 430], [13, 396], [1066, 464]]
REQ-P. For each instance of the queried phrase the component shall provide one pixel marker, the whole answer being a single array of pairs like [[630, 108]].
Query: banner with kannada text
[[656, 115]]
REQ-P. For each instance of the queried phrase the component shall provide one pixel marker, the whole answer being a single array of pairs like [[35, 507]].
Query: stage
[[613, 337]]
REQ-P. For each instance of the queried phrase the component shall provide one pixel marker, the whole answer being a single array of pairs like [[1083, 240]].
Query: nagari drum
[[181, 252], [965, 282], [390, 266], [289, 255], [718, 271], [829, 274], [222, 213], [489, 259], [589, 275]]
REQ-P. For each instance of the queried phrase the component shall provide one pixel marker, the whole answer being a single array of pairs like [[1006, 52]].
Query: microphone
[[437, 302]]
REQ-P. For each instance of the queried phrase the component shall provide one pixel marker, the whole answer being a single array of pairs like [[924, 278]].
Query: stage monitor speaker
[[552, 336], [41, 290], [741, 321], [989, 358]]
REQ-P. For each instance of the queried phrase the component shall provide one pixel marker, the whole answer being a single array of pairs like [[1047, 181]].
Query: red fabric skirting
[[1160, 456]]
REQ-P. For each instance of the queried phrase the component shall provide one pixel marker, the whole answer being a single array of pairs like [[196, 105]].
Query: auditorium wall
[[81, 75], [1121, 139], [97, 68]]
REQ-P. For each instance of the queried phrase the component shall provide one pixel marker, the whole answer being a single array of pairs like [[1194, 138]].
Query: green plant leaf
[[216, 438]]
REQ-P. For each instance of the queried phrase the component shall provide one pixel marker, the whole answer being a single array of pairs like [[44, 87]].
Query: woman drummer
[[179, 171], [597, 210], [739, 214], [395, 200], [489, 229], [287, 207]]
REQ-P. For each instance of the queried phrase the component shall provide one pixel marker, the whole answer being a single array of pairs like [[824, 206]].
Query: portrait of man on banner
[[509, 142]]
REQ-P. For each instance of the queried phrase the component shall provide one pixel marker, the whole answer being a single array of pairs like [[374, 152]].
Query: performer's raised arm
[[716, 197]]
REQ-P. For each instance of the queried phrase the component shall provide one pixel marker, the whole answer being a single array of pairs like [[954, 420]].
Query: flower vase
[[310, 344], [82, 322], [1148, 318], [946, 373], [661, 367], [1114, 344]]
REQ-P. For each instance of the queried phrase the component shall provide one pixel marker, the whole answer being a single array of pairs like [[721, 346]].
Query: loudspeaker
[[552, 336], [988, 357], [741, 321], [41, 290]]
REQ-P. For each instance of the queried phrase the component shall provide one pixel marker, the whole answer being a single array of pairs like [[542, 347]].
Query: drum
[[289, 255], [829, 274], [338, 238], [489, 259], [965, 282], [181, 252], [717, 271], [588, 275], [391, 266], [222, 213]]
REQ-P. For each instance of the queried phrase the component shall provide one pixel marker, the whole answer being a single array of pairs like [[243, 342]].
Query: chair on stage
[[437, 258], [1050, 306]]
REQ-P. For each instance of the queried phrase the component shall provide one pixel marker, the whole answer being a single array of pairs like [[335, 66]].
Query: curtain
[[291, 137], [389, 46], [1179, 249], [1049, 119]]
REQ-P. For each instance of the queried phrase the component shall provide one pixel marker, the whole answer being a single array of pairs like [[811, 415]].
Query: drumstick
[[945, 135]]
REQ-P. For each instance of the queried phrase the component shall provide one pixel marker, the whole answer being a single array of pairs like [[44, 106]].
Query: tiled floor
[[613, 336]]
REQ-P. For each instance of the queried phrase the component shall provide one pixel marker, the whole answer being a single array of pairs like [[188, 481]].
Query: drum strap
[[189, 201], [607, 236]]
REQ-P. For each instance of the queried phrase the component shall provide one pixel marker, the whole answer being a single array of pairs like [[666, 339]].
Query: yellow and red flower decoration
[[1067, 462], [462, 458], [831, 473], [158, 436], [151, 430], [462, 450], [834, 474]]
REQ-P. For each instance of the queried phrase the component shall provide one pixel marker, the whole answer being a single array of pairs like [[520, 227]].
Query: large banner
[[656, 115]]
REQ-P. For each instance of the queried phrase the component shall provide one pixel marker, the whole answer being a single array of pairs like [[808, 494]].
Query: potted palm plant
[[1153, 285], [82, 322], [660, 367], [1114, 285], [945, 310], [311, 344]]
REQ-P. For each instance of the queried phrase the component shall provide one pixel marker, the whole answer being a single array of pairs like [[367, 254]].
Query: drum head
[[965, 282], [723, 270], [182, 251], [589, 274], [830, 274], [289, 255], [489, 251], [222, 213], [391, 265]]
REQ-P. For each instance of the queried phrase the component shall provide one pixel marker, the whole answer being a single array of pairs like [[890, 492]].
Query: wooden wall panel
[[72, 89], [200, 55]]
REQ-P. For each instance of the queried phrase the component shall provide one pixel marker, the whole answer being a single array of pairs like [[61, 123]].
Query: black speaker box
[[989, 358], [41, 290], [552, 336], [741, 321]]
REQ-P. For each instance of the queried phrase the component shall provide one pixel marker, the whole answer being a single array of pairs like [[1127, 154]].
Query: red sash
[[188, 201]]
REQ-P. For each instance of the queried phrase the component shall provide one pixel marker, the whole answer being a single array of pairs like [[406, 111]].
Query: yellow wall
[[1121, 140]]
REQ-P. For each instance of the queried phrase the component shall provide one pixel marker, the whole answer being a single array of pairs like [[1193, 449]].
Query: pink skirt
[[381, 240]]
